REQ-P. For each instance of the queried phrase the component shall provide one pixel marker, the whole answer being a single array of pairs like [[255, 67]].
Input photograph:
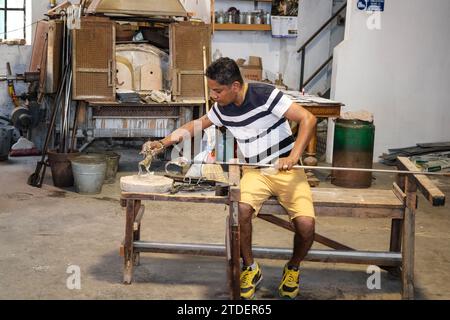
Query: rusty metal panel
[[186, 52], [135, 111], [39, 53], [93, 60], [55, 31], [138, 7]]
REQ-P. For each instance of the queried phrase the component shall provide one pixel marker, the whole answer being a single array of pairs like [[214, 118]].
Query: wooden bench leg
[[234, 270], [233, 255], [395, 244], [408, 241], [128, 242], [137, 230]]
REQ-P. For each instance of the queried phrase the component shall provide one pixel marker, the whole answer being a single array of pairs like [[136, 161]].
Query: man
[[257, 115]]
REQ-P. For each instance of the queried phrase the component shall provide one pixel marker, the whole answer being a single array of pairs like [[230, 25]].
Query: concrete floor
[[45, 231]]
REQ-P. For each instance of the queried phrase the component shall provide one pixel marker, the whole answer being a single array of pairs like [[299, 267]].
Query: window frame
[[5, 9]]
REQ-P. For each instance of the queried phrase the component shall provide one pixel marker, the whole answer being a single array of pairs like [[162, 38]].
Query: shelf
[[242, 27]]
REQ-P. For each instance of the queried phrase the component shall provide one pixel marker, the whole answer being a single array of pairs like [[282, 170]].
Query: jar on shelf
[[230, 17], [257, 17], [248, 18], [267, 18], [242, 16], [219, 17]]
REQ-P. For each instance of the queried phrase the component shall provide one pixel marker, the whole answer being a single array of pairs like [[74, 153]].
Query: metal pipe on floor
[[338, 256]]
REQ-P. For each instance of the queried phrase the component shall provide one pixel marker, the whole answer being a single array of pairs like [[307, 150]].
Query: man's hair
[[225, 71]]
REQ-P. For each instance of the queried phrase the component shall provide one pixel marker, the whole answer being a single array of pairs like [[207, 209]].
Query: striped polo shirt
[[258, 125]]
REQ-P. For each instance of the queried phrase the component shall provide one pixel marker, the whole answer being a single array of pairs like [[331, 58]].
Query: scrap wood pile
[[423, 154]]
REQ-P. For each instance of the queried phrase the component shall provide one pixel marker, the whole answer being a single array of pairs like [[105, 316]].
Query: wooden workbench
[[398, 204]]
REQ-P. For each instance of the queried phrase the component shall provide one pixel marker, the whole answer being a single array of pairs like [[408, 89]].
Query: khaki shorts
[[290, 187]]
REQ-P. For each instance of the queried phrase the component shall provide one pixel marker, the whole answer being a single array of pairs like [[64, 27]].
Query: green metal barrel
[[353, 148]]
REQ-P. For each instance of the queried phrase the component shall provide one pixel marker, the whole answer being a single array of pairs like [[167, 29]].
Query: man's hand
[[284, 164], [153, 147]]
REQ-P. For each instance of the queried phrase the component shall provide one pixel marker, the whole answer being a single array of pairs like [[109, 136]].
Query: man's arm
[[186, 131], [306, 123]]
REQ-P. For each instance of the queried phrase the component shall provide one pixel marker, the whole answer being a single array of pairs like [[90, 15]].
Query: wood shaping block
[[147, 183]]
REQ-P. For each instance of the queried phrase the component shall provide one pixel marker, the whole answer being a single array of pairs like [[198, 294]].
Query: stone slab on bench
[[145, 183]]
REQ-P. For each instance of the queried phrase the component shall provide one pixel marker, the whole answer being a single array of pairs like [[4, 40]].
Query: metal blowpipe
[[182, 162], [445, 174]]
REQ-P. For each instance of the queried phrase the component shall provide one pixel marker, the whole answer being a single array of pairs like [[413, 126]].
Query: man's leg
[[251, 275], [245, 221], [303, 239], [254, 191]]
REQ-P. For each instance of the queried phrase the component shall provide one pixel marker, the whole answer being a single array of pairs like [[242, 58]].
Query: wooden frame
[[398, 204]]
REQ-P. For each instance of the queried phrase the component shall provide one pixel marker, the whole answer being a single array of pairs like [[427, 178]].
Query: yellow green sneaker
[[289, 284], [250, 279]]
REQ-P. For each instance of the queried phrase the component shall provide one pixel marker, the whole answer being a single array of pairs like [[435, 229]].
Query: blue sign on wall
[[370, 5]]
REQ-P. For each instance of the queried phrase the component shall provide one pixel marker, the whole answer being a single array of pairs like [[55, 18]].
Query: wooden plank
[[399, 192], [200, 198], [331, 243], [317, 237], [338, 211], [330, 197], [355, 197], [426, 186], [277, 221], [242, 27]]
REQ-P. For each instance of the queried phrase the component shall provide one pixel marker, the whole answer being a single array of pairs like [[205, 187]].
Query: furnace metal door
[[186, 53], [93, 60]]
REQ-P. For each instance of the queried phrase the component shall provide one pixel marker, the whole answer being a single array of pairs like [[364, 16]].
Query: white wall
[[242, 44], [200, 9], [280, 55], [312, 15], [400, 72]]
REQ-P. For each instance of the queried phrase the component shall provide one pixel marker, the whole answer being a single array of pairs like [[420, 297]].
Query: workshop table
[[398, 204]]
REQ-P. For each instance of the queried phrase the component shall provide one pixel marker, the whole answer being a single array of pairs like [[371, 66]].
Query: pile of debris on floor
[[427, 156]]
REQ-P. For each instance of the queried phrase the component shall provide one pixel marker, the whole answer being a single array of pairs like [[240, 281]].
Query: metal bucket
[[6, 134], [89, 173], [353, 148], [61, 168], [112, 165]]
